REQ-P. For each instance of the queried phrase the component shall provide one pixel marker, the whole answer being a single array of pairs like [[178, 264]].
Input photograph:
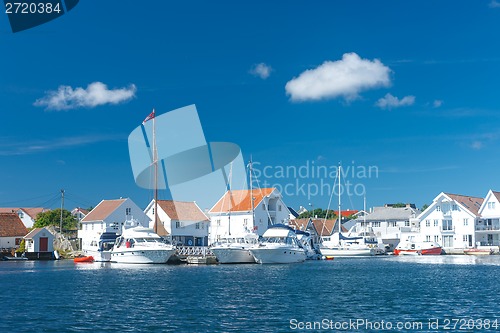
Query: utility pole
[[62, 207]]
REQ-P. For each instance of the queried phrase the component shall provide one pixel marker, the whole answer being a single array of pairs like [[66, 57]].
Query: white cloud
[[261, 70], [342, 78], [16, 146], [476, 145], [96, 93], [494, 4], [437, 103], [389, 101]]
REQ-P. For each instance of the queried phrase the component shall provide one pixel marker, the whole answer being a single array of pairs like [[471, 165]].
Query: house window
[[153, 211], [218, 222], [407, 223], [465, 238], [376, 224], [245, 222], [436, 223], [447, 225], [392, 224], [279, 208], [436, 238], [263, 206], [21, 215], [178, 224], [491, 205], [198, 225], [454, 207], [466, 222], [427, 223], [92, 224], [128, 211], [438, 208], [428, 238]]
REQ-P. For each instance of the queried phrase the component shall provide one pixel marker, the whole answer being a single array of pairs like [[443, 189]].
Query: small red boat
[[84, 259], [418, 248]]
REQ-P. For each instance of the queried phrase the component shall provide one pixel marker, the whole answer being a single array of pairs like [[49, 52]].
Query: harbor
[[257, 298]]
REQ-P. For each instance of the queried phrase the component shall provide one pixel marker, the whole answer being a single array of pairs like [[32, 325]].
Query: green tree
[[425, 206], [53, 217], [320, 213], [399, 205]]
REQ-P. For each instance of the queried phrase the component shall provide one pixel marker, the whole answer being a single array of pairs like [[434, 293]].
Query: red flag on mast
[[151, 116]]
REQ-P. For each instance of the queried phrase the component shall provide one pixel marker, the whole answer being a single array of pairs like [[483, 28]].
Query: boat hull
[[100, 256], [346, 252], [84, 259], [141, 256], [435, 251], [278, 255], [227, 255], [477, 252]]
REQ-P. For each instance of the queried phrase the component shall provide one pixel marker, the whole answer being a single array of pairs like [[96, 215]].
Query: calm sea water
[[60, 296]]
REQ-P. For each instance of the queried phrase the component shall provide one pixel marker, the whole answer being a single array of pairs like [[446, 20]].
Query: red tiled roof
[[103, 210], [11, 225], [471, 203], [497, 195], [326, 227], [81, 210], [239, 200], [31, 211], [346, 213], [299, 224], [182, 210]]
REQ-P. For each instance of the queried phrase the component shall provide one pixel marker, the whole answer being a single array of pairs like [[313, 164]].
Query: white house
[[388, 224], [12, 231], [488, 228], [110, 216], [79, 213], [450, 220], [27, 215], [183, 221], [39, 240], [233, 215]]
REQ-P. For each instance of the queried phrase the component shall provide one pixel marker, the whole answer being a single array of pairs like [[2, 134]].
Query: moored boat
[[478, 252], [235, 249], [140, 245], [100, 248], [418, 248], [84, 259], [279, 245]]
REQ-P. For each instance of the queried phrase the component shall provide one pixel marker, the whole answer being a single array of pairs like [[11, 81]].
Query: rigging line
[[261, 193], [329, 203]]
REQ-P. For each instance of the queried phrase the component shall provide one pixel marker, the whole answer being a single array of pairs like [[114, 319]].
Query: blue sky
[[408, 87]]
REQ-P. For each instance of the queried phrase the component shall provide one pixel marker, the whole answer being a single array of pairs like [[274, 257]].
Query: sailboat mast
[[340, 211], [251, 194], [155, 166]]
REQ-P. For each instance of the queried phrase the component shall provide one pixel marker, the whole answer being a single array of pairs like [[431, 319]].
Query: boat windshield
[[280, 240], [146, 240]]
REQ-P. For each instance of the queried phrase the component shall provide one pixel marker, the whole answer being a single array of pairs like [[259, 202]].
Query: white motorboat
[[235, 249], [100, 248], [140, 245], [279, 246]]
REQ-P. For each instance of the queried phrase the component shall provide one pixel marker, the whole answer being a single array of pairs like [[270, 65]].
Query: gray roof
[[391, 214]]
